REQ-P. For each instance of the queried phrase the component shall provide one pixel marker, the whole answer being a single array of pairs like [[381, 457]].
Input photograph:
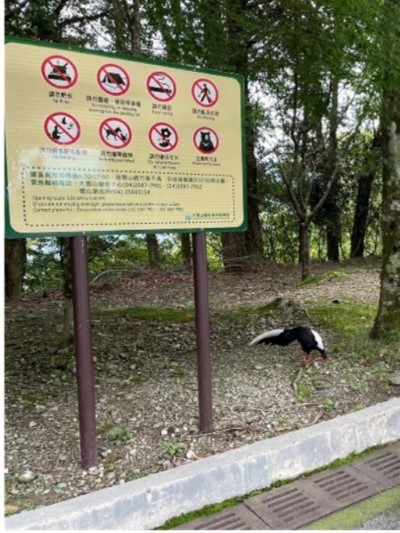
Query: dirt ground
[[146, 376]]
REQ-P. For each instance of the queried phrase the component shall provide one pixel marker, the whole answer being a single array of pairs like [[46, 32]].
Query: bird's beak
[[324, 355]]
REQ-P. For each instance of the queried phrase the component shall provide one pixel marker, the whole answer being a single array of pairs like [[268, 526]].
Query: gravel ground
[[146, 381]]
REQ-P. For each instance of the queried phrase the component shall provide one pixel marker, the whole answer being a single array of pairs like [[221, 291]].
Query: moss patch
[[359, 513], [334, 275], [156, 314], [346, 319], [242, 314]]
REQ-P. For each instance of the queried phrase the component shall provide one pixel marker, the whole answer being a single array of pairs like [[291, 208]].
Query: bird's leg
[[307, 359]]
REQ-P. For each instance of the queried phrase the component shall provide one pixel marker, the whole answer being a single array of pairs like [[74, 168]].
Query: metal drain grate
[[288, 507], [310, 499], [383, 467], [306, 500], [343, 486], [234, 518]]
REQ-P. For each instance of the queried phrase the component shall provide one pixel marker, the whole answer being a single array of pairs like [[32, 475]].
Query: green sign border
[[12, 234]]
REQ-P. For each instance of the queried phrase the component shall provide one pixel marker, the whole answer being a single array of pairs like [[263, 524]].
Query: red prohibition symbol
[[161, 86], [206, 140], [115, 132], [205, 92], [163, 137], [59, 72], [113, 79], [62, 128]]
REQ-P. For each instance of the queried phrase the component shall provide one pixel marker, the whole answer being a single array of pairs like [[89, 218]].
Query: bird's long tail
[[266, 337]]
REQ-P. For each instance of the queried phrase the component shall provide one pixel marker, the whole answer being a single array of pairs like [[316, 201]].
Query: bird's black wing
[[280, 337]]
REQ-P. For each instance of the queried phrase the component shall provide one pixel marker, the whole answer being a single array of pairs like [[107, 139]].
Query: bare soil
[[146, 378]]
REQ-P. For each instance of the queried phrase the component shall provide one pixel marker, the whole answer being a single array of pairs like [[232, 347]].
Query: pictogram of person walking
[[205, 94]]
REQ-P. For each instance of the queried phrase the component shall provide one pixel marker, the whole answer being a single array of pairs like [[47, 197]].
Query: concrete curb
[[149, 502]]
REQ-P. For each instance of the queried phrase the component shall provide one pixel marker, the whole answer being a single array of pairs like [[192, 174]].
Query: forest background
[[322, 122]]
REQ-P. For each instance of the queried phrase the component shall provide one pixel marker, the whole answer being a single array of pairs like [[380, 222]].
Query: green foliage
[[43, 269], [173, 449], [119, 435]]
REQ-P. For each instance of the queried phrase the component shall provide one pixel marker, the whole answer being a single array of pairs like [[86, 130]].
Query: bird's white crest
[[266, 335], [317, 336]]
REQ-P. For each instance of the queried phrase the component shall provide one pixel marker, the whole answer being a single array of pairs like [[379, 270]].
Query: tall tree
[[15, 264], [57, 21], [46, 21], [388, 318], [240, 17], [125, 29], [311, 69], [366, 178]]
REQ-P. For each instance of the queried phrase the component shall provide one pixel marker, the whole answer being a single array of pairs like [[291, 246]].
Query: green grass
[[359, 513]]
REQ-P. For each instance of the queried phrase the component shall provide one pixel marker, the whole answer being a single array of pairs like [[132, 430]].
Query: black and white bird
[[307, 337]]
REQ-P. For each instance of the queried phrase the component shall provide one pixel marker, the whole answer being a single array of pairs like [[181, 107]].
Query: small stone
[[62, 485], [26, 477], [105, 453], [164, 432], [32, 424], [191, 455], [395, 380], [10, 509]]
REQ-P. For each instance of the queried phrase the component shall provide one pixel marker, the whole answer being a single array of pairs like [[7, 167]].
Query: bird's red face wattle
[[324, 355]]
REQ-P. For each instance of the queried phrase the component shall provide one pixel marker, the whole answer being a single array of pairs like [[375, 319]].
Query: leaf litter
[[146, 377]]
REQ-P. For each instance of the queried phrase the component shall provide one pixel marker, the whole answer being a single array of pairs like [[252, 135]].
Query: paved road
[[385, 521]]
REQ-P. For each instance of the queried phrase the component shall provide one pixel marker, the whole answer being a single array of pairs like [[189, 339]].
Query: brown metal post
[[202, 331], [83, 351]]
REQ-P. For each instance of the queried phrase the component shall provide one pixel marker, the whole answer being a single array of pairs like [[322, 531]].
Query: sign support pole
[[83, 351], [202, 332]]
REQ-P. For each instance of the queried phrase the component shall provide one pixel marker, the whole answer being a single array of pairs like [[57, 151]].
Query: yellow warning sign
[[100, 143]]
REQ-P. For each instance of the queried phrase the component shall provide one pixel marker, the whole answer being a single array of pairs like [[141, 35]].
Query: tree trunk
[[250, 245], [304, 249], [186, 250], [15, 264], [359, 229], [153, 250], [233, 252], [332, 208], [253, 236], [388, 318], [333, 234], [135, 48]]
